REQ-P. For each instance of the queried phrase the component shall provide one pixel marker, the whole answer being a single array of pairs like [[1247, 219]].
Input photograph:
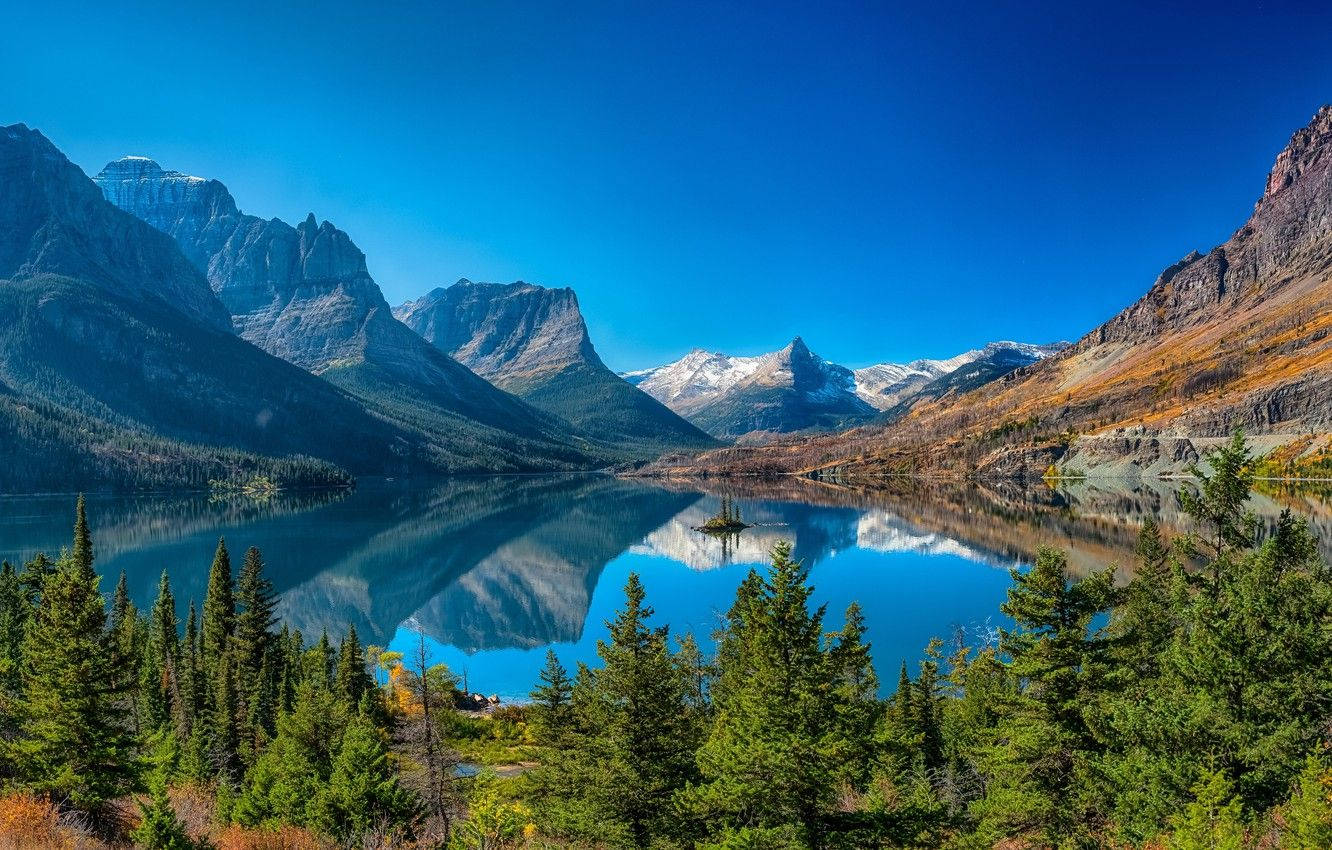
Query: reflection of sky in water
[[493, 570], [907, 599]]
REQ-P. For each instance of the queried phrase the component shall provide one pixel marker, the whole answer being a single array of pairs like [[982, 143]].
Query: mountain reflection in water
[[493, 569]]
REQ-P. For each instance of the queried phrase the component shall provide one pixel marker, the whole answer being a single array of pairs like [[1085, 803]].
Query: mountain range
[[303, 294], [1239, 336], [118, 362], [794, 389], [532, 341], [156, 337]]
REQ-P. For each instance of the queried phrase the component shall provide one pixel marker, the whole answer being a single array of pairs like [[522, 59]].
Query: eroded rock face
[[301, 293], [304, 294], [533, 342], [54, 221], [510, 334]]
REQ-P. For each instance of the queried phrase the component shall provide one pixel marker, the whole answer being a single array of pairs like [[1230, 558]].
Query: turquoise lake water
[[493, 570]]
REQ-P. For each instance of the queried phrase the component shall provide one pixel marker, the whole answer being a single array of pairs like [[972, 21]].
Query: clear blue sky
[[889, 180]]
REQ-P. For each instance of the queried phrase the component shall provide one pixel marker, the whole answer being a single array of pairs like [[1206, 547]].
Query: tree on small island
[[727, 518]]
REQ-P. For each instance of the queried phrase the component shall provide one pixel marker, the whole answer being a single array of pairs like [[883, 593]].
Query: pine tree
[[191, 676], [162, 689], [1214, 819], [362, 791], [771, 756], [224, 722], [15, 611], [159, 828], [1308, 814], [644, 745], [1219, 506], [73, 744], [1042, 743], [855, 697], [551, 707], [219, 614], [255, 616], [352, 680]]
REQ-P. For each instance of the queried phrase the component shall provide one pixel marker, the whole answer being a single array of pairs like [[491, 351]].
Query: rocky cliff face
[[304, 294], [510, 334], [533, 342], [118, 345], [1238, 336], [53, 221], [301, 293]]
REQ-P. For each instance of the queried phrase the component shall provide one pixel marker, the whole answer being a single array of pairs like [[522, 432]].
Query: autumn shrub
[[283, 838], [28, 822]]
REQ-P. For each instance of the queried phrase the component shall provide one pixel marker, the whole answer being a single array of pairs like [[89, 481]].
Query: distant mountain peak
[[732, 396]]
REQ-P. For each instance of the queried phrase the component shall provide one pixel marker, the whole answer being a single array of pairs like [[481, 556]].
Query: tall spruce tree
[[769, 761], [255, 615], [352, 680], [219, 614], [1042, 744], [73, 744], [551, 707], [644, 746]]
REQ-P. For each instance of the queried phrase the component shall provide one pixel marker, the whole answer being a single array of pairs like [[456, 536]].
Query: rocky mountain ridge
[[1239, 336], [304, 294], [711, 388], [118, 362]]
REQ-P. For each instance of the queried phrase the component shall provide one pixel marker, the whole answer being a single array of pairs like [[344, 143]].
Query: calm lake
[[492, 570]]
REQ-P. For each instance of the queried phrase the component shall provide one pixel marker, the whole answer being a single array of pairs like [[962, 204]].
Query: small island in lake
[[725, 521]]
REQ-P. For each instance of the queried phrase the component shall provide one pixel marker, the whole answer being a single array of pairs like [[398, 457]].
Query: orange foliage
[[31, 823], [284, 838]]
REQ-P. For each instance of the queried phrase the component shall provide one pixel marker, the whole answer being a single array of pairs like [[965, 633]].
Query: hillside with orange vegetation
[[1238, 337]]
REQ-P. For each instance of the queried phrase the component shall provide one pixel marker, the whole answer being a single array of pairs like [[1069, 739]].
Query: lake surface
[[492, 570]]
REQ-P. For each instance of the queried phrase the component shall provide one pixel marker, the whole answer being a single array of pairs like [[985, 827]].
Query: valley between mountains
[[157, 336]]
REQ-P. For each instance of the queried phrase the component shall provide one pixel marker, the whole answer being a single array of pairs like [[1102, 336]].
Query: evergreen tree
[[224, 723], [551, 708], [219, 614], [288, 778], [1212, 821], [1308, 814], [255, 615], [159, 828], [855, 698], [15, 612], [73, 744], [1042, 744], [771, 756], [644, 746], [352, 679], [1219, 506], [362, 791], [162, 689], [191, 676]]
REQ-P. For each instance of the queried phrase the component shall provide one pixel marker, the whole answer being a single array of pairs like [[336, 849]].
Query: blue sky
[[888, 180]]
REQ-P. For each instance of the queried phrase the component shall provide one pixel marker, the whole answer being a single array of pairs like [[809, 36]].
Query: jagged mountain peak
[[715, 389]]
